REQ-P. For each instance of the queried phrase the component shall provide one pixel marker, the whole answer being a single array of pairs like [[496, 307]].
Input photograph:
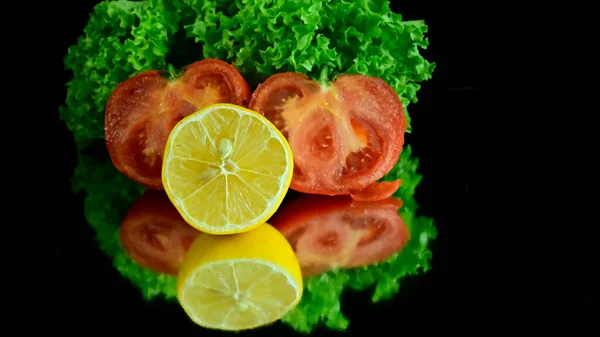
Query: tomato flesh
[[338, 232], [142, 110], [154, 235], [344, 137]]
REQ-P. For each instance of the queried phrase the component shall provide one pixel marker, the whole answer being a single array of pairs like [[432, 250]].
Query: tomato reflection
[[339, 232], [154, 235]]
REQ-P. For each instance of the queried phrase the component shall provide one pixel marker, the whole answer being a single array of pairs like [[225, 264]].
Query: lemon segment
[[240, 281], [226, 169]]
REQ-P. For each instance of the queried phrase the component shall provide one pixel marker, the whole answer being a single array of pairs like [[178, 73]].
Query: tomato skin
[[338, 232], [142, 110], [344, 137], [377, 191], [154, 235]]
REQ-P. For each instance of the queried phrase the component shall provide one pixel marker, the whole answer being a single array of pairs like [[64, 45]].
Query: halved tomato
[[154, 235], [142, 110], [344, 137], [338, 232]]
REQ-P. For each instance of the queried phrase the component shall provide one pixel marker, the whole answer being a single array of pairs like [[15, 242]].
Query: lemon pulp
[[226, 169], [240, 281]]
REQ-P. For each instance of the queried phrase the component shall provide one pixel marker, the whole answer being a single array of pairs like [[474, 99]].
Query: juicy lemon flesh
[[226, 169], [239, 294]]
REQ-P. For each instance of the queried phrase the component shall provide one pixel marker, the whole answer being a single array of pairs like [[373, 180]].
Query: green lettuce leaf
[[260, 37]]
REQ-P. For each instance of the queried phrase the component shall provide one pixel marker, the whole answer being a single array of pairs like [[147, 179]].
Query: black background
[[92, 294]]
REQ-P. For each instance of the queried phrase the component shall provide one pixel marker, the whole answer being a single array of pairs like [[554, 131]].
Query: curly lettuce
[[320, 38]]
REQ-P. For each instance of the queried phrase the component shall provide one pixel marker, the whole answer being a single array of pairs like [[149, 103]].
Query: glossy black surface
[[92, 295]]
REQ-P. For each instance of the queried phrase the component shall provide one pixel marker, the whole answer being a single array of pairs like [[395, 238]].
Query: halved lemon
[[226, 169], [240, 281]]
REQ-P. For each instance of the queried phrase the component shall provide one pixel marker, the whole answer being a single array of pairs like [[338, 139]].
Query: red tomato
[[329, 232], [154, 235], [377, 191], [142, 110], [344, 137]]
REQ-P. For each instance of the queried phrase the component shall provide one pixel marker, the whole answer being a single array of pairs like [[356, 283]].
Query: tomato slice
[[344, 137], [154, 235], [142, 110], [329, 232], [377, 191]]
